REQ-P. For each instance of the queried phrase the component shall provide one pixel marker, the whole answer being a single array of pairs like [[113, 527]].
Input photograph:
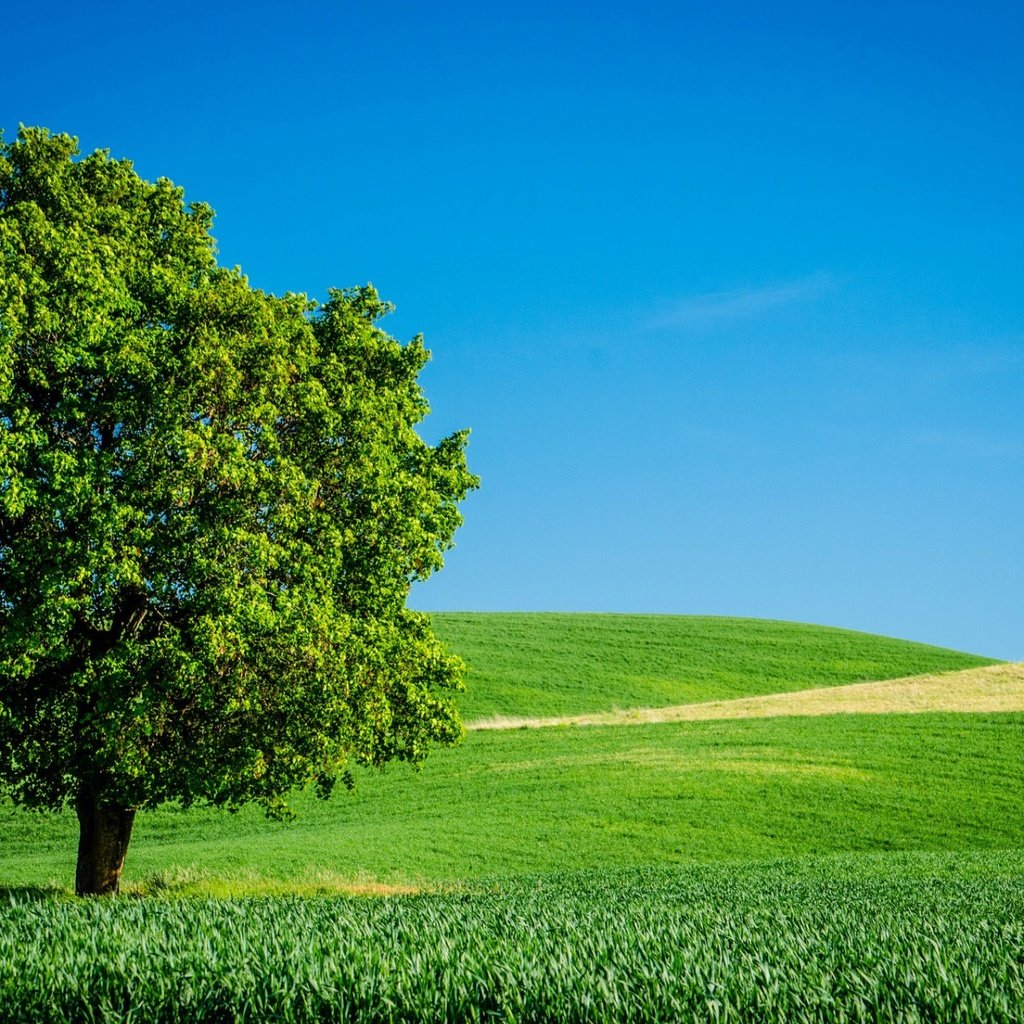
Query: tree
[[213, 502]]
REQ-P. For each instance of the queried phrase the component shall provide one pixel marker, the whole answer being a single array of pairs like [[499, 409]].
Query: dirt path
[[992, 688]]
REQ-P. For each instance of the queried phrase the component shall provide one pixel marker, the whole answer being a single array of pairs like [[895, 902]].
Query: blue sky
[[731, 296]]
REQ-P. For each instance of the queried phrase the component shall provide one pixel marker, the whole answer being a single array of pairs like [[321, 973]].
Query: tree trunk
[[103, 835]]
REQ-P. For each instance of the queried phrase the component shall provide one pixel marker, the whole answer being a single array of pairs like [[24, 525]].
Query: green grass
[[846, 867], [528, 801], [566, 664], [900, 938]]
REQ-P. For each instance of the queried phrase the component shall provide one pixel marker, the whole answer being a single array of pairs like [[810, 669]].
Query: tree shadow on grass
[[30, 893]]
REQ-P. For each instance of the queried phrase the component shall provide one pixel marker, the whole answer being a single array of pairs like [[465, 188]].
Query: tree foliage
[[213, 502]]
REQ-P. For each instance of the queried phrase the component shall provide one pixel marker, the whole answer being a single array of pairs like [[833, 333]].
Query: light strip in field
[[986, 689]]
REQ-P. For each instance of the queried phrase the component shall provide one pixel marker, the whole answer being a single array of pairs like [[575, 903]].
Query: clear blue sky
[[730, 295]]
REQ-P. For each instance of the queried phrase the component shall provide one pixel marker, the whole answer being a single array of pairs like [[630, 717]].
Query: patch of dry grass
[[191, 881], [987, 689]]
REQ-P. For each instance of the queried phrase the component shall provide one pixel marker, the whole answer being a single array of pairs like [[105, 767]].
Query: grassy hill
[[786, 870], [527, 801], [520, 801], [565, 664]]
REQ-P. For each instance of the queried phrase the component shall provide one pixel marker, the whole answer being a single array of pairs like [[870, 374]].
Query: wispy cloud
[[739, 304]]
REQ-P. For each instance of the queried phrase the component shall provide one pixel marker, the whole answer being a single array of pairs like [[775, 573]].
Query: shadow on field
[[28, 893]]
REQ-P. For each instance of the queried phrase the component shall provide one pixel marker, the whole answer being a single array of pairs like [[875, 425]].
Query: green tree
[[213, 502]]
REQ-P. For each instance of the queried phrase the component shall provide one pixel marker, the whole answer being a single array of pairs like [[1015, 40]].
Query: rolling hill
[[519, 801], [526, 664]]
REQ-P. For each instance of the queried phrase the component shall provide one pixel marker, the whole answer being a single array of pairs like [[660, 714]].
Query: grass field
[[989, 688], [513, 801], [792, 864], [527, 801], [912, 938], [550, 664]]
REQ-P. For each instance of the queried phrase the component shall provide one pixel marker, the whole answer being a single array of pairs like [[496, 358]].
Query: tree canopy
[[213, 502]]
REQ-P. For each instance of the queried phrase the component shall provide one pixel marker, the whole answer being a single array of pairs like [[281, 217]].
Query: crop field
[[779, 839], [913, 939]]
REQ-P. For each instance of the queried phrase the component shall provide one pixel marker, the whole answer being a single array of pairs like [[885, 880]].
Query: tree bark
[[103, 835]]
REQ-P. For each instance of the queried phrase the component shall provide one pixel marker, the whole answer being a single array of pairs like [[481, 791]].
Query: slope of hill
[[988, 688], [529, 664], [518, 801], [541, 800]]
